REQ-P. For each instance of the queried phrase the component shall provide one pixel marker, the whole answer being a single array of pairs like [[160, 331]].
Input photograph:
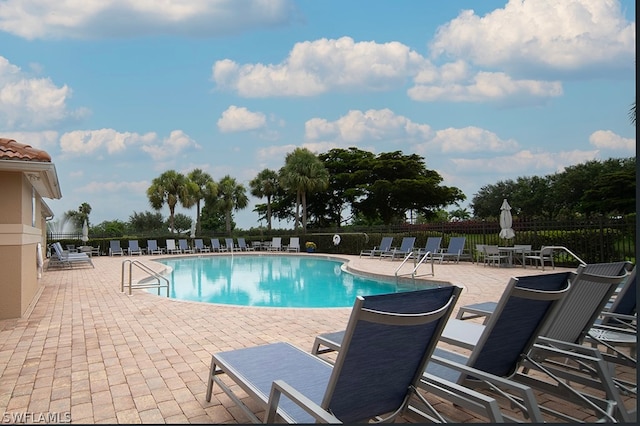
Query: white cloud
[[357, 126], [28, 102], [548, 34], [606, 139], [33, 19], [468, 139], [170, 147], [485, 86], [239, 119], [41, 140], [523, 163], [84, 142], [315, 67]]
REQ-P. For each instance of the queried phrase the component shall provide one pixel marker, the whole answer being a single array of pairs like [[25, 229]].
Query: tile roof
[[12, 150]]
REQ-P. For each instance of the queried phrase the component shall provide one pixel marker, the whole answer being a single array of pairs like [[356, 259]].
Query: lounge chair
[[242, 244], [558, 352], [215, 245], [228, 242], [171, 247], [406, 248], [184, 246], [525, 304], [431, 248], [66, 259], [276, 244], [115, 249], [374, 375], [200, 247], [455, 249], [152, 247], [294, 244], [133, 248], [385, 245]]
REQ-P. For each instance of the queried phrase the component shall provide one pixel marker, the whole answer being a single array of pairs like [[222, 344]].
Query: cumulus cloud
[[606, 139], [33, 19], [357, 126], [84, 142], [468, 139], [240, 119], [547, 34], [170, 147], [315, 67], [524, 163], [486, 86], [28, 102]]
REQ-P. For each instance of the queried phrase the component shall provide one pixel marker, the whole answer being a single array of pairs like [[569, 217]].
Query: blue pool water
[[270, 280]]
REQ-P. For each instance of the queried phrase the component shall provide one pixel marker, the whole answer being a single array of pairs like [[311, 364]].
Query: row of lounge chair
[[432, 250], [534, 339], [183, 247]]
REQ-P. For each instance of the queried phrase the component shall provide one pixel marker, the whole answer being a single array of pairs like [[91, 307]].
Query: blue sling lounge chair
[[387, 343]]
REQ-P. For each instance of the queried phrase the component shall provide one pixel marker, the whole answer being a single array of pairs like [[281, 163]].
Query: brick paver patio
[[87, 353]]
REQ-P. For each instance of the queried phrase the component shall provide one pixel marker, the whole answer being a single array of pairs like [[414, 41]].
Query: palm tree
[[231, 195], [303, 172], [205, 187], [171, 187], [265, 185]]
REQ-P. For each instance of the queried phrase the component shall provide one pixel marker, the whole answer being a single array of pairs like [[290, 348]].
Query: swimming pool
[[271, 280]]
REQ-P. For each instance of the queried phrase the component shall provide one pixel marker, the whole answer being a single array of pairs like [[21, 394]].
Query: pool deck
[[92, 354]]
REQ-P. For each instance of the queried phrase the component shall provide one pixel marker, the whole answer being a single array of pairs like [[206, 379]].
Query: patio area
[[87, 353]]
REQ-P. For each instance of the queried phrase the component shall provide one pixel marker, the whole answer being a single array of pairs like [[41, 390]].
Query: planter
[[311, 250]]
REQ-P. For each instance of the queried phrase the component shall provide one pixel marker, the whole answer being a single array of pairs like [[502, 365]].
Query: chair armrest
[[529, 404], [280, 387]]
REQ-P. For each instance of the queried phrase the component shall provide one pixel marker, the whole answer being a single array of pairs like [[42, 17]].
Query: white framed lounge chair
[[183, 245], [276, 244], [229, 244], [171, 247], [199, 246], [115, 249], [152, 247], [405, 249], [455, 250], [294, 244], [215, 245], [242, 244], [66, 259], [134, 248]]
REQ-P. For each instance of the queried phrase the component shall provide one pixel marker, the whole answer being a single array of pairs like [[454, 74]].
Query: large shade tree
[[265, 185], [204, 188], [400, 183], [303, 173], [171, 188]]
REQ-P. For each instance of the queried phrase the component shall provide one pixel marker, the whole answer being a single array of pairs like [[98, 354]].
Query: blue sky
[[119, 91]]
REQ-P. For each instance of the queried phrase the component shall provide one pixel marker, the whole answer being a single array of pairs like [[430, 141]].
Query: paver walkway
[[88, 353]]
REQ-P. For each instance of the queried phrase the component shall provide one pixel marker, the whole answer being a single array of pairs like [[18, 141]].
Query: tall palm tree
[[171, 187], [265, 185], [231, 195], [204, 187], [303, 172]]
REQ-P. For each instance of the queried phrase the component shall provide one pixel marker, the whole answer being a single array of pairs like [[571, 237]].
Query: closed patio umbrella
[[506, 221], [85, 232]]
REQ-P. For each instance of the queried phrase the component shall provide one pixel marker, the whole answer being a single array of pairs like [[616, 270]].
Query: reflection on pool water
[[270, 280]]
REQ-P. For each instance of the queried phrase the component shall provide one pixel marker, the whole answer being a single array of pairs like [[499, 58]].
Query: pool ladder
[[417, 264], [153, 279]]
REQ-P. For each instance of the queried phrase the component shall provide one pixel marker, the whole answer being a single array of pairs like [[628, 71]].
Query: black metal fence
[[598, 240]]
